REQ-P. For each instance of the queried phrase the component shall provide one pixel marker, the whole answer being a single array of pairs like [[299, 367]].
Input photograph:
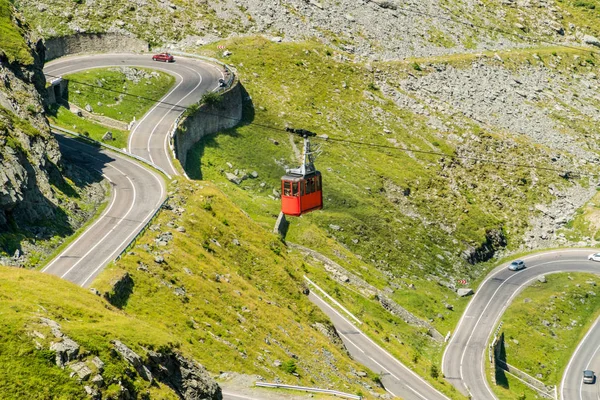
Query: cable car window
[[302, 183], [287, 188], [295, 189], [318, 183]]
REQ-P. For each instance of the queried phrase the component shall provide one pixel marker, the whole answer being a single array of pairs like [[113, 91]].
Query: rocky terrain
[[36, 186], [378, 29]]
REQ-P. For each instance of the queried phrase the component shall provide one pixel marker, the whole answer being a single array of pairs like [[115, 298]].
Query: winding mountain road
[[138, 192], [149, 136], [466, 354]]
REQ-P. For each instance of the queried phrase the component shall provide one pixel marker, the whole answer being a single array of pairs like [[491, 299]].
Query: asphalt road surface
[[398, 379], [149, 136], [136, 193], [465, 357]]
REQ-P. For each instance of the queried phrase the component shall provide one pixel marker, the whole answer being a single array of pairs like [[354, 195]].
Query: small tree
[[434, 372], [289, 366]]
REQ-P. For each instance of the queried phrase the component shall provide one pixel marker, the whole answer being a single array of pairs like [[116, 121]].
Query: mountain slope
[[40, 197]]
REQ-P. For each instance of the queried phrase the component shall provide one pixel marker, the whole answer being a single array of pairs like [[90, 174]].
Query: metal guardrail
[[213, 60], [309, 389], [112, 148], [127, 154], [141, 231]]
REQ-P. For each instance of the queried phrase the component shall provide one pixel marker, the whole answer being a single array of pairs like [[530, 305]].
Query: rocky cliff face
[[32, 174], [28, 154]]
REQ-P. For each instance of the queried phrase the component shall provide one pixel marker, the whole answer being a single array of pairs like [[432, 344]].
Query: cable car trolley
[[301, 187]]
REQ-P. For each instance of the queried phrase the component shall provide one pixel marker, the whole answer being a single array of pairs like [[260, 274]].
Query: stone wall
[[93, 43], [208, 120]]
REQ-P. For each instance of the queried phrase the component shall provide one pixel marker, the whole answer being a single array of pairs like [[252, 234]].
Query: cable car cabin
[[301, 194]]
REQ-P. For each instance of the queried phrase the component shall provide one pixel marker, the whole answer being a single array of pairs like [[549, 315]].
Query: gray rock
[[88, 108], [277, 363], [66, 350], [98, 363], [335, 227], [159, 259], [132, 358], [180, 229], [233, 178], [594, 41], [541, 279], [254, 174], [189, 379], [464, 292], [235, 242], [82, 370]]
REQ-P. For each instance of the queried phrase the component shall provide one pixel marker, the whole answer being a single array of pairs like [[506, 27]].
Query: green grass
[[120, 98], [27, 372], [12, 41], [550, 318], [244, 303], [64, 118], [363, 186]]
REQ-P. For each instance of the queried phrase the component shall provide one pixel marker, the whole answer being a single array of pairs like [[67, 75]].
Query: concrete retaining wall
[[208, 120], [93, 43]]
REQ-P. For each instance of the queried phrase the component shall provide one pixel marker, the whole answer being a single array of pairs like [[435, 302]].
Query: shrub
[[289, 366], [417, 67], [211, 98], [434, 372]]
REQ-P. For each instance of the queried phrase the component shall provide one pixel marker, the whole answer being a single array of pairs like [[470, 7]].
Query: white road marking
[[351, 342], [162, 193], [405, 368], [100, 218], [385, 369], [493, 274], [110, 231], [165, 147]]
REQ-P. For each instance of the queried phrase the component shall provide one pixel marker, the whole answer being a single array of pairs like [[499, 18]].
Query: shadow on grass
[[193, 167], [500, 355]]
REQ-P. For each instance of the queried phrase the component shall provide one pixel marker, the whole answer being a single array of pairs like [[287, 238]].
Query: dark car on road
[[166, 57]]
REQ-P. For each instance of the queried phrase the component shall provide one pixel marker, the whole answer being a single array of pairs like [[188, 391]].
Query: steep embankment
[[231, 293], [61, 341], [40, 197]]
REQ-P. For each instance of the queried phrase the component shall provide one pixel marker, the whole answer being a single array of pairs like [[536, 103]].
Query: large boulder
[[594, 41], [186, 377], [463, 292], [66, 350]]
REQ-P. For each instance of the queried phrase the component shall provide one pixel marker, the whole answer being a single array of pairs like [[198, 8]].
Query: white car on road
[[516, 265], [594, 257]]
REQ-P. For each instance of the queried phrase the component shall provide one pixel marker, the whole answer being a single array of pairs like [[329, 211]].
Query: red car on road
[[166, 57]]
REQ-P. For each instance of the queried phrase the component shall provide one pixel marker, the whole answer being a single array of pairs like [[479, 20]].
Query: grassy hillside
[[408, 214], [28, 371], [13, 44], [231, 294], [547, 318]]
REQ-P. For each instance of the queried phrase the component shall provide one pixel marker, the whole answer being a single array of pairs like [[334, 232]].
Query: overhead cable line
[[352, 142], [530, 39]]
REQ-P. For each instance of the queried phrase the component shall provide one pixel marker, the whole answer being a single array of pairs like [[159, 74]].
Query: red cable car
[[301, 187]]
